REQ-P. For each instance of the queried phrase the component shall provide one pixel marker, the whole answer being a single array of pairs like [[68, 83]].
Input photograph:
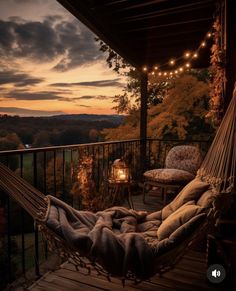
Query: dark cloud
[[19, 80], [43, 95], [71, 41], [101, 83], [87, 106], [28, 112], [99, 97]]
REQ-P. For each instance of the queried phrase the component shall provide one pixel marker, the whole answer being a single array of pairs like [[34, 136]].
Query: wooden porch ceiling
[[148, 32]]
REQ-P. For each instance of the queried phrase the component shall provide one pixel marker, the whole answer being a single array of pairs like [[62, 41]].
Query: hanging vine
[[217, 71]]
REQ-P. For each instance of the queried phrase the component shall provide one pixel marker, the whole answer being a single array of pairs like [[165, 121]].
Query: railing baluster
[[54, 173], [63, 175], [22, 224], [36, 237], [9, 259]]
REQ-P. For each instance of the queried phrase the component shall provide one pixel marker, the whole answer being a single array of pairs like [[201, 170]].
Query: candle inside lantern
[[121, 175]]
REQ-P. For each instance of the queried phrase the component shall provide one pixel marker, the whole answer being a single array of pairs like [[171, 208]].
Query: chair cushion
[[177, 219], [169, 176], [192, 191], [184, 157]]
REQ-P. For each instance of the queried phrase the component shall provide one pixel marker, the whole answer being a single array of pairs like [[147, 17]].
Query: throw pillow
[[192, 191], [178, 218]]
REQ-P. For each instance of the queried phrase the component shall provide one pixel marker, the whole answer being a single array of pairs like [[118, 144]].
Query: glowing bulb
[[187, 65], [165, 73], [209, 35], [159, 74], [195, 55], [172, 62], [171, 73], [187, 55], [155, 68], [153, 73], [181, 69], [144, 69], [203, 44], [176, 71]]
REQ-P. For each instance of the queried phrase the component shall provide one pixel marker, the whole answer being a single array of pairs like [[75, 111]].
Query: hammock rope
[[218, 167]]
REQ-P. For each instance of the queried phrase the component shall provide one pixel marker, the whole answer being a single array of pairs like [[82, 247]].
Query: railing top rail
[[74, 146]]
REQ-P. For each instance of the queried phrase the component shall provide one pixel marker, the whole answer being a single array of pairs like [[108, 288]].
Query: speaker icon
[[216, 273]]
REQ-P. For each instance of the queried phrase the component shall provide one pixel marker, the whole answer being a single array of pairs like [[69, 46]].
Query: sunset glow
[[50, 63]]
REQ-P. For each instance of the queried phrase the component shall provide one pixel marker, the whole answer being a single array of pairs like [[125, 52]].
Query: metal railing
[[54, 170]]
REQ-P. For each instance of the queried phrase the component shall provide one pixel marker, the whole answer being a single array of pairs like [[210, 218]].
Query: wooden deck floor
[[189, 274]]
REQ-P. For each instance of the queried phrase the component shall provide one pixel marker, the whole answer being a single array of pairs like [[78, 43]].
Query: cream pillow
[[192, 191], [178, 218]]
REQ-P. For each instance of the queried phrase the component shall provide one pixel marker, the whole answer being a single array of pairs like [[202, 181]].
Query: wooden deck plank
[[182, 278], [72, 285], [83, 278]]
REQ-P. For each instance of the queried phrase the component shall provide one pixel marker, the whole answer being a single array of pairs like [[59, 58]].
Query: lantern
[[120, 172]]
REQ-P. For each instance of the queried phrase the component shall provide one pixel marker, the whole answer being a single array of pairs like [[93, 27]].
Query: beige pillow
[[178, 218], [192, 191], [206, 199]]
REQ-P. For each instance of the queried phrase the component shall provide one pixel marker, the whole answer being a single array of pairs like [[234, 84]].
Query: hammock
[[218, 169]]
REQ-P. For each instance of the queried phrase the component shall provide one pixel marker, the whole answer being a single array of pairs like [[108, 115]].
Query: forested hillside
[[16, 132]]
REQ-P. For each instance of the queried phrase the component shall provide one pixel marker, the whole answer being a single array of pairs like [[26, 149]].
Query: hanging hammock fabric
[[218, 167]]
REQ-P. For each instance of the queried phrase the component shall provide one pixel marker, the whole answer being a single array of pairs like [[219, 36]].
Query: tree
[[41, 139], [181, 114], [129, 100]]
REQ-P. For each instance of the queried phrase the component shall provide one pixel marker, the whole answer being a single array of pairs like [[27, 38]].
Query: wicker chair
[[181, 165]]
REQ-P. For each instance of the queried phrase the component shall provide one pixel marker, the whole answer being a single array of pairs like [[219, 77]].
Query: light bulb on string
[[172, 62], [195, 55], [152, 73], [187, 65], [155, 68], [209, 34], [181, 69], [176, 71], [187, 54], [145, 69], [165, 74], [160, 73], [203, 44]]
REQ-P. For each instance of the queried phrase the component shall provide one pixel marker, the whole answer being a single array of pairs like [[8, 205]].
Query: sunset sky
[[50, 63]]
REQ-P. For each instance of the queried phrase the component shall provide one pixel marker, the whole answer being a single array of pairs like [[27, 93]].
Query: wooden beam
[[230, 38], [143, 121]]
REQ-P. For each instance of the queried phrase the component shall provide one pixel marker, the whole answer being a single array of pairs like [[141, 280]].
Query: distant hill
[[114, 118]]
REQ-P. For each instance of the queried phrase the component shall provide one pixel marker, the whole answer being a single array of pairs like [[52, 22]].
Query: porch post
[[230, 48], [143, 121]]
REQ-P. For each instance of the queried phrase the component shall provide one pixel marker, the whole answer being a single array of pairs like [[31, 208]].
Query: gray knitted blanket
[[113, 237]]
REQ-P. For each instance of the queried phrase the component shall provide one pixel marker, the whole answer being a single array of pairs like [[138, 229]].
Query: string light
[[191, 55], [187, 54]]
